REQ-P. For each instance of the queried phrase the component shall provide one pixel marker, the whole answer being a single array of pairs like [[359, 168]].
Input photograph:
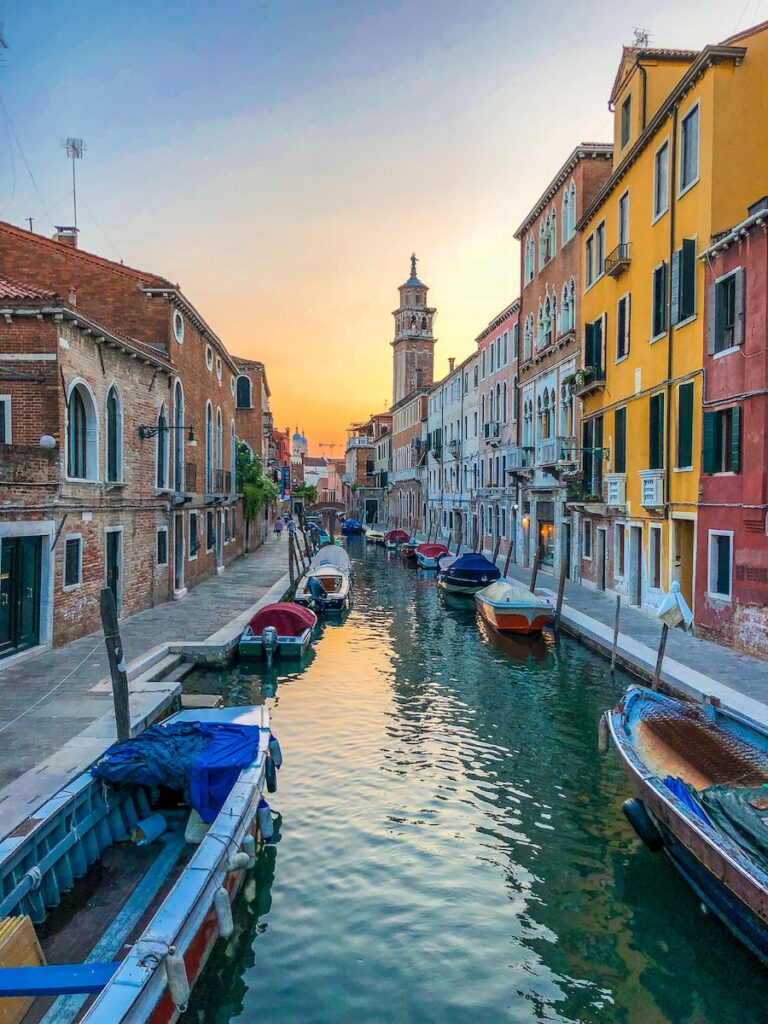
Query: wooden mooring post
[[615, 646], [660, 657], [508, 559], [291, 573], [535, 571], [117, 667], [496, 548], [560, 591]]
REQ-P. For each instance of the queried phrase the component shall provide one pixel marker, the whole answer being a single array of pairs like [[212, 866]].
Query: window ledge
[[81, 480], [688, 320], [688, 187], [67, 588], [657, 216], [726, 352], [621, 359], [658, 337], [114, 485], [682, 469], [720, 598]]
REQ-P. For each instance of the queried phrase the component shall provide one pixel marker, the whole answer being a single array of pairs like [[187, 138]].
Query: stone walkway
[[49, 719]]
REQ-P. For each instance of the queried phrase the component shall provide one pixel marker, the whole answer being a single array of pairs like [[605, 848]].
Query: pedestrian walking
[[279, 527]]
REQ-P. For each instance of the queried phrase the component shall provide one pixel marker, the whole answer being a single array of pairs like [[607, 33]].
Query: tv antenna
[[75, 150], [642, 38]]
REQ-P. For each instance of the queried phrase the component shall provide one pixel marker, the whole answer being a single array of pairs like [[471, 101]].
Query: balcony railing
[[616, 489], [454, 447], [652, 488], [492, 432], [591, 378], [548, 451], [519, 458], [617, 261], [359, 441]]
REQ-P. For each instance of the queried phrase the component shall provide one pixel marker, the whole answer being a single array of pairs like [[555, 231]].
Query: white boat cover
[[504, 592], [331, 555]]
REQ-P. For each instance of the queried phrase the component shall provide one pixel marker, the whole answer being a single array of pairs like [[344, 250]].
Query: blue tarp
[[682, 791], [203, 759], [473, 563]]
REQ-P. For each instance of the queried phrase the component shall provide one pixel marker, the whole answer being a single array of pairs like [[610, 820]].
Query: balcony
[[652, 488], [568, 458], [359, 441], [454, 447], [617, 261], [548, 451], [492, 433], [519, 459], [589, 379], [616, 489]]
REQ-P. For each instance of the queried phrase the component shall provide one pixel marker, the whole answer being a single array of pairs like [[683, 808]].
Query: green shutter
[[687, 279], [620, 440], [709, 442], [685, 425], [736, 439], [587, 460], [738, 332], [674, 308], [656, 432], [659, 299], [589, 345], [712, 304]]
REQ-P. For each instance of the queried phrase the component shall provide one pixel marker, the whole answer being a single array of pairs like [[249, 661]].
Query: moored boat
[[394, 538], [350, 527], [701, 773], [513, 609], [374, 535], [281, 628], [467, 574], [326, 585], [427, 555], [189, 794]]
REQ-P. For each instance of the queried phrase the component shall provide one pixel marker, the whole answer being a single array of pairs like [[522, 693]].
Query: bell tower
[[414, 342]]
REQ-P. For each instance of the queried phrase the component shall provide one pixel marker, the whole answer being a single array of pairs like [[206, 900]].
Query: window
[[490, 358], [73, 561], [661, 181], [725, 313], [194, 536], [162, 546], [720, 571], [161, 476], [82, 434], [178, 326], [659, 313], [684, 455], [594, 334], [626, 112], [600, 249], [114, 436], [618, 551], [722, 441], [218, 367], [505, 348], [654, 557], [5, 419], [482, 364], [587, 539], [592, 456], [515, 340], [209, 448], [226, 525], [656, 431], [683, 298], [209, 357], [210, 534], [569, 212], [178, 436], [243, 392], [620, 440], [622, 327], [689, 149], [624, 219], [589, 259]]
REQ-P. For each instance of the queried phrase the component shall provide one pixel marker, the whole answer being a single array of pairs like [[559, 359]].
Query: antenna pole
[[74, 189]]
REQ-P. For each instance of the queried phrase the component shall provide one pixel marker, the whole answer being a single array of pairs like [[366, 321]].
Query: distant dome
[[297, 437]]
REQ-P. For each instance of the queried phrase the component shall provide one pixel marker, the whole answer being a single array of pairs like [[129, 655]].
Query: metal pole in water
[[116, 656]]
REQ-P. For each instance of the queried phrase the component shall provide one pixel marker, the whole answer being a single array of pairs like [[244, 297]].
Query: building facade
[[365, 493], [550, 357]]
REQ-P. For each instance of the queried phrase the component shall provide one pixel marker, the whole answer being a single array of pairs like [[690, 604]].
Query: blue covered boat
[[351, 526], [467, 574], [701, 773]]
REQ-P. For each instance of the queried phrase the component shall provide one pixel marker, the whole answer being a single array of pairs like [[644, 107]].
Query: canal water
[[451, 845]]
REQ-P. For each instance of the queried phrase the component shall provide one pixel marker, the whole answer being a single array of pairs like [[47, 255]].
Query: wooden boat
[[141, 938], [408, 550], [513, 609], [374, 535], [281, 628], [350, 527], [326, 586], [467, 574], [427, 555], [700, 772], [394, 538]]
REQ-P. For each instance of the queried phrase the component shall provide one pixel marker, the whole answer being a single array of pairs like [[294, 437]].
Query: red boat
[[428, 555], [394, 538]]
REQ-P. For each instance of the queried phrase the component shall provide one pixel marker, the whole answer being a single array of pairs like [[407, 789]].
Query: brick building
[[118, 441], [365, 490], [253, 418], [551, 353]]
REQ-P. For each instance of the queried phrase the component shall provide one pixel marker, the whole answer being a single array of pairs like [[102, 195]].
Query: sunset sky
[[280, 160]]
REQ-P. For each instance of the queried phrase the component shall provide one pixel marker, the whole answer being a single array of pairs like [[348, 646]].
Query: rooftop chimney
[[66, 236], [451, 361]]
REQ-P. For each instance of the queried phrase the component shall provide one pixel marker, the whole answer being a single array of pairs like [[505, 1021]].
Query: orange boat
[[512, 609]]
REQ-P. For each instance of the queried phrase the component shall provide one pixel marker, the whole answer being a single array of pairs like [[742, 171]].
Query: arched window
[[243, 388], [528, 337], [178, 436], [499, 417], [209, 448], [82, 434], [552, 233], [543, 234], [114, 420], [566, 216], [540, 332], [571, 210], [565, 311], [423, 323], [572, 302], [219, 441], [504, 403], [161, 473], [233, 454]]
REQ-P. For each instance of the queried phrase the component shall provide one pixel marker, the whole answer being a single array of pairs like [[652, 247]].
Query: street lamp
[[145, 432]]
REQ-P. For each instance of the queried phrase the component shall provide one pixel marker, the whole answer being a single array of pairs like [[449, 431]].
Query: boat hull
[[524, 620], [287, 646], [721, 877], [426, 563], [456, 585]]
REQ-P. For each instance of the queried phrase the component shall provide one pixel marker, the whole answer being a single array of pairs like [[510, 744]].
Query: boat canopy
[[504, 592], [288, 619], [395, 536], [432, 550], [331, 556], [473, 563]]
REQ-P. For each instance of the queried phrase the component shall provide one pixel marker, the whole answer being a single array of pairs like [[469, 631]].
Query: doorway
[[600, 539], [684, 530], [219, 540], [635, 565], [178, 552], [114, 564], [371, 511], [20, 565]]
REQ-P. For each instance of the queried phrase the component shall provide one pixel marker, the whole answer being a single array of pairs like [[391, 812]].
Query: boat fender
[[275, 751], [264, 814], [640, 820], [223, 908], [238, 860], [249, 847], [176, 976], [602, 733], [270, 774]]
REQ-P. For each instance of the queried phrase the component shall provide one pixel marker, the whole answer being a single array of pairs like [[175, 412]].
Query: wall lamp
[[145, 432], [602, 453]]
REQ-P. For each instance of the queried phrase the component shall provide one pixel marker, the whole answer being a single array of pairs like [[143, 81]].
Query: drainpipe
[[644, 108], [670, 326]]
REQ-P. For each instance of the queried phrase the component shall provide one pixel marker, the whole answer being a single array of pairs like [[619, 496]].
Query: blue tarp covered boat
[[467, 574], [351, 526]]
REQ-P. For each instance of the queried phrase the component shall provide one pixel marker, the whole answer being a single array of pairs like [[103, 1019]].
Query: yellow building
[[690, 154]]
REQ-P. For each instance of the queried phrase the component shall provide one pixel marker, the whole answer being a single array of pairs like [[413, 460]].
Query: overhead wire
[[12, 131]]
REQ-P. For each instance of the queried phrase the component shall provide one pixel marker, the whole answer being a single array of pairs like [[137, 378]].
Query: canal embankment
[[56, 709]]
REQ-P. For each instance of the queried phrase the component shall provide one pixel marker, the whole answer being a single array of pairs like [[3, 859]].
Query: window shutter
[[674, 309], [589, 345], [723, 565], [711, 318], [736, 439], [738, 331], [709, 443], [620, 442], [685, 425], [688, 279], [656, 432], [627, 322], [600, 336]]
